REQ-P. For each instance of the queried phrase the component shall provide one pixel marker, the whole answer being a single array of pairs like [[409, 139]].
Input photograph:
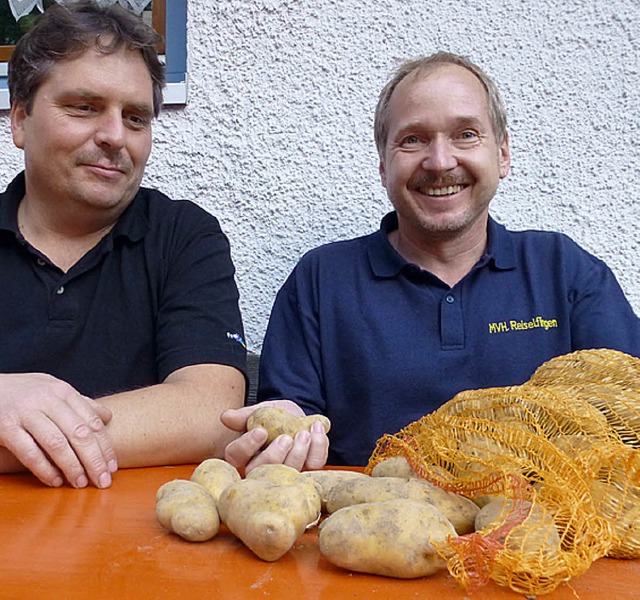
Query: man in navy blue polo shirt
[[120, 330], [378, 331]]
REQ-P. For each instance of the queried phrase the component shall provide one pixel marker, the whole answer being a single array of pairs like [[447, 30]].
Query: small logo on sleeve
[[514, 325], [236, 337]]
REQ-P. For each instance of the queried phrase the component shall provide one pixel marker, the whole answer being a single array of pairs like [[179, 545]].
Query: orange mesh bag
[[552, 451], [607, 379]]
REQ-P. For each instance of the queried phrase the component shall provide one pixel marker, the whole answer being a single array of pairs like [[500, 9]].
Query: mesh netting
[[563, 452]]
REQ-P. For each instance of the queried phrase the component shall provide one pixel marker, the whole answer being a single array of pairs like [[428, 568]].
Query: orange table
[[103, 544]]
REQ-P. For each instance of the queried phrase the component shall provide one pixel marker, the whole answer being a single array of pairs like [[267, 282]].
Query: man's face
[[442, 163], [88, 136]]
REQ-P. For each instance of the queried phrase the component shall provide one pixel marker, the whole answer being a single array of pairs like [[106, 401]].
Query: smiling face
[[87, 137], [442, 163]]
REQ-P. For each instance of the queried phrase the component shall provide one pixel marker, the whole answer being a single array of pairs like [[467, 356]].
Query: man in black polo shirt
[[120, 330]]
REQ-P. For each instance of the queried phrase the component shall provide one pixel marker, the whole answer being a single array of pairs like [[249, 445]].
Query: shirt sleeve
[[602, 316], [199, 318], [290, 363]]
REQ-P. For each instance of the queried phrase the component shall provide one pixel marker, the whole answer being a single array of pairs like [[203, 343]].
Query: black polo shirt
[[156, 294]]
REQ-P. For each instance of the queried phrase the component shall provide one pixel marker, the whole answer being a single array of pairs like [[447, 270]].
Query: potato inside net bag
[[560, 454]]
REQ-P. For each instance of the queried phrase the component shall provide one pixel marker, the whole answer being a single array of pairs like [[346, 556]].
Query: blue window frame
[[175, 57]]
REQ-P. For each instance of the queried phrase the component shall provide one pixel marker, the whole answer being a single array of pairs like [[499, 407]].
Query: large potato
[[268, 518], [284, 475], [278, 422], [460, 511], [215, 475], [188, 510], [393, 538]]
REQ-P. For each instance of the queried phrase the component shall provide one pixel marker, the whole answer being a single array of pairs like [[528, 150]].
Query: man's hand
[[55, 432], [307, 451]]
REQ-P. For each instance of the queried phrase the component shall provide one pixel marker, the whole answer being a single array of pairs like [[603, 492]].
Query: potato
[[267, 518], [459, 510], [284, 475], [277, 422], [396, 466], [393, 538], [622, 510], [327, 479], [215, 475], [536, 534], [188, 510]]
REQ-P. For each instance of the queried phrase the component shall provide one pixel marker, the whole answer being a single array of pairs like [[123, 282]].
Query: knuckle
[[54, 442], [30, 456], [8, 424], [95, 424], [82, 433], [60, 389]]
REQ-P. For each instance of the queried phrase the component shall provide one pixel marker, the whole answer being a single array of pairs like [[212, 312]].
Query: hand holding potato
[[304, 450]]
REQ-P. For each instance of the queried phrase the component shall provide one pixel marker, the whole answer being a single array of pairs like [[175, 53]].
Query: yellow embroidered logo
[[513, 325]]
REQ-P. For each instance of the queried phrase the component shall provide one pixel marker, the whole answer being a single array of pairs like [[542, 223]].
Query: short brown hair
[[65, 31], [497, 113]]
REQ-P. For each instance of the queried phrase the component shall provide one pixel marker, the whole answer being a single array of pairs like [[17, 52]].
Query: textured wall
[[276, 138]]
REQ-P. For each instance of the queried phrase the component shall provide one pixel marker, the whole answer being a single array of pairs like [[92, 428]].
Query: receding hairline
[[419, 68]]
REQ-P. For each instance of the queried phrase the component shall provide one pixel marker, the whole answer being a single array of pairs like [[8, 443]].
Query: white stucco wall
[[276, 139]]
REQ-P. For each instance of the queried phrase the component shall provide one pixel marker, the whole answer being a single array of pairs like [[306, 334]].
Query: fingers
[[318, 448], [275, 453], [22, 445], [72, 443], [240, 452], [97, 415], [308, 450], [55, 432], [104, 412], [236, 418]]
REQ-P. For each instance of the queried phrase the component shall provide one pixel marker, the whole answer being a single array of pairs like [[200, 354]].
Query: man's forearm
[[177, 421]]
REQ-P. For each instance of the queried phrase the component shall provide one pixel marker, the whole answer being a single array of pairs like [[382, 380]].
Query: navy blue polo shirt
[[156, 294], [374, 342]]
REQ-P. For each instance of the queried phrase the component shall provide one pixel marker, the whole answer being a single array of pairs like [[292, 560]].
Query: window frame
[[169, 18]]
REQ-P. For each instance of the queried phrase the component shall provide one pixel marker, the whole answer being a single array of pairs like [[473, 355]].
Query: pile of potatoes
[[387, 523]]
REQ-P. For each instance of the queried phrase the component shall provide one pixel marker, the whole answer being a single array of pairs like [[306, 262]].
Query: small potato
[[215, 475], [393, 538], [267, 518], [188, 510], [277, 422], [284, 475], [327, 479], [396, 466], [459, 510]]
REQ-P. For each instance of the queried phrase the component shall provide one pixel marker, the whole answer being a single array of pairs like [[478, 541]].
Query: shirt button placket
[[451, 322]]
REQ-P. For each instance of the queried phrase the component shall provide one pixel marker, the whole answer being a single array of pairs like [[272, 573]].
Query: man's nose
[[110, 130], [439, 156]]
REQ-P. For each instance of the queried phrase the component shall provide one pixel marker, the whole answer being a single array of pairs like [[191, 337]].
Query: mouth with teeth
[[449, 190]]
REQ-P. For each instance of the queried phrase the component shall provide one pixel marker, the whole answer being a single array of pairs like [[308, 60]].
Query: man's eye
[[81, 108], [468, 135], [137, 121], [411, 140]]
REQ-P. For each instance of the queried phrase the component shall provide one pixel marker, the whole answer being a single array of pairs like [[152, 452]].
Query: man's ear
[[504, 158], [18, 115], [383, 174]]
